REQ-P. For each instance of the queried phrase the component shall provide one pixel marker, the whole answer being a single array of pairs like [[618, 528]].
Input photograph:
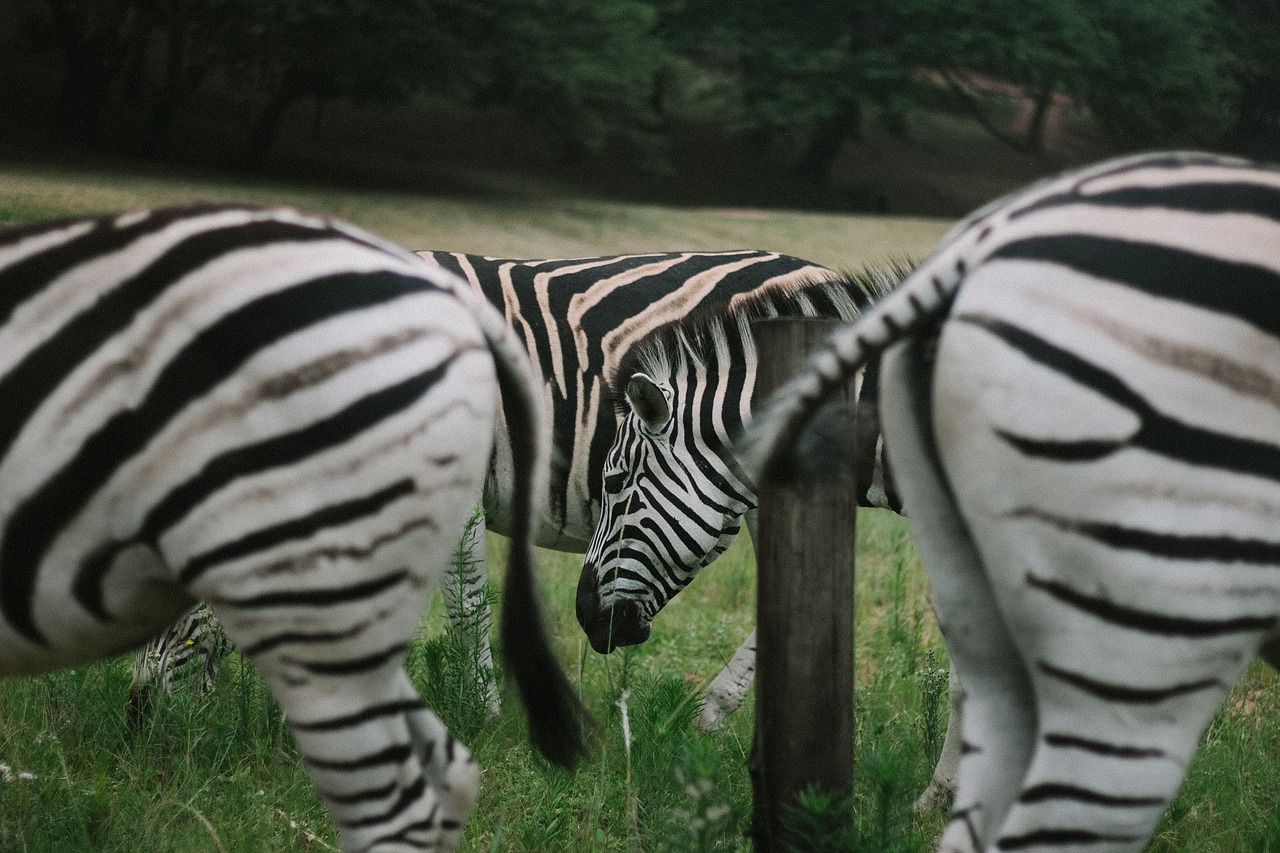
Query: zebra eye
[[614, 483]]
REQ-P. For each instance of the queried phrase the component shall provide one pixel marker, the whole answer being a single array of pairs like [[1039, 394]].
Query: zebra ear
[[648, 401]]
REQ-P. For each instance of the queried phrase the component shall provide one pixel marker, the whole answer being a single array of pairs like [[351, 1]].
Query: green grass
[[221, 773]]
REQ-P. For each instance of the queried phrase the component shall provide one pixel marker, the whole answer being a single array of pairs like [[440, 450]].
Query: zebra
[[580, 319], [283, 416], [194, 639], [577, 318], [672, 500], [1093, 472]]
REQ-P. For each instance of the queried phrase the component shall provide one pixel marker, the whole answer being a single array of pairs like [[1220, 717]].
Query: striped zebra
[[672, 498], [195, 640], [586, 321], [580, 319], [289, 419], [1093, 471], [577, 319]]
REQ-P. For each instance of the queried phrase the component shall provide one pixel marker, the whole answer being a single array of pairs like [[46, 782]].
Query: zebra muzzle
[[608, 627]]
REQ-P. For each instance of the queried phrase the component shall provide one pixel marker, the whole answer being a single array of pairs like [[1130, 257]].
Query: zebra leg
[[728, 690], [943, 783], [1114, 743], [141, 686], [466, 600], [998, 725], [1130, 644], [386, 768]]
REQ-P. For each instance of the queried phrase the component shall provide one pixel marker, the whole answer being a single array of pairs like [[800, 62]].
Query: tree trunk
[[828, 138], [1039, 119], [805, 602], [267, 124]]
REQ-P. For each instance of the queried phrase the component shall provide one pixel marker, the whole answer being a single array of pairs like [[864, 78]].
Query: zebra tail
[[924, 298], [557, 718]]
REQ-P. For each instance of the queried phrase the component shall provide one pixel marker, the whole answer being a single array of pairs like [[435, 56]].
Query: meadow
[[221, 773]]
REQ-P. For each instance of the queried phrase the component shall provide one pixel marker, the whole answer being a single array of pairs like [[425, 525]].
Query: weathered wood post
[[804, 603]]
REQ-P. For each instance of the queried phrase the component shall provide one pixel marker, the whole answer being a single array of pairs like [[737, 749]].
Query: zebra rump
[[287, 418], [1093, 468]]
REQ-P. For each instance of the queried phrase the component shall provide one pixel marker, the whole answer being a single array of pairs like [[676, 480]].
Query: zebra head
[[671, 499], [673, 494]]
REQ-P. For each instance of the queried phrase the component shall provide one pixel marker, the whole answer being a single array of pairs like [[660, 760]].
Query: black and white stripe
[[672, 495], [586, 322], [288, 419], [578, 318], [1093, 471], [195, 641]]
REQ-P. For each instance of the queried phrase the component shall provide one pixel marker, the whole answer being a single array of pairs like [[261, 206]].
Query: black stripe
[[965, 816], [363, 795], [305, 638], [1098, 747], [1158, 432], [1085, 450], [1123, 693], [319, 597], [394, 754], [1207, 197], [407, 798], [373, 712], [657, 584], [1051, 791], [1063, 837], [1239, 290], [212, 356], [300, 528], [1146, 621], [1225, 549], [88, 584], [354, 666], [24, 279], [31, 381], [405, 836]]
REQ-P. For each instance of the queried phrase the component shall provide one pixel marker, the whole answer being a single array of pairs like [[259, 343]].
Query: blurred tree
[[811, 65], [95, 38], [1148, 70], [588, 68], [1252, 28]]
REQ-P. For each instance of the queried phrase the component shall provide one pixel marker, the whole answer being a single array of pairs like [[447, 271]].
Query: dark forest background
[[918, 106]]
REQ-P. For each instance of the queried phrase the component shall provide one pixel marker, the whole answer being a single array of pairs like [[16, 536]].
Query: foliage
[[448, 669], [596, 72]]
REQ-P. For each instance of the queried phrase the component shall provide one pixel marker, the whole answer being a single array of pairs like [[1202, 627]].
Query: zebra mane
[[709, 328]]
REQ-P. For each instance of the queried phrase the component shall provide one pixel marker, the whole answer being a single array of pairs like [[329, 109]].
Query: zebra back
[[578, 318]]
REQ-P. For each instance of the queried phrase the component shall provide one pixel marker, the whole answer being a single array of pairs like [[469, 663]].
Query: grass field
[[221, 773]]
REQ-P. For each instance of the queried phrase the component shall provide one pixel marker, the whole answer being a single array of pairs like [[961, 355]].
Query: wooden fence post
[[804, 610]]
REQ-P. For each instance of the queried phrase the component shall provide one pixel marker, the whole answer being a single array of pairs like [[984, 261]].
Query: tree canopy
[[1149, 72]]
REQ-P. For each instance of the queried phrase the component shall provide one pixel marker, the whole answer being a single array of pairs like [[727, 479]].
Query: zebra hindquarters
[[1092, 439], [997, 727], [327, 611]]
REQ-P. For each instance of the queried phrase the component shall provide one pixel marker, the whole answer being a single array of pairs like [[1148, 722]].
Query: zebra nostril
[[621, 624]]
